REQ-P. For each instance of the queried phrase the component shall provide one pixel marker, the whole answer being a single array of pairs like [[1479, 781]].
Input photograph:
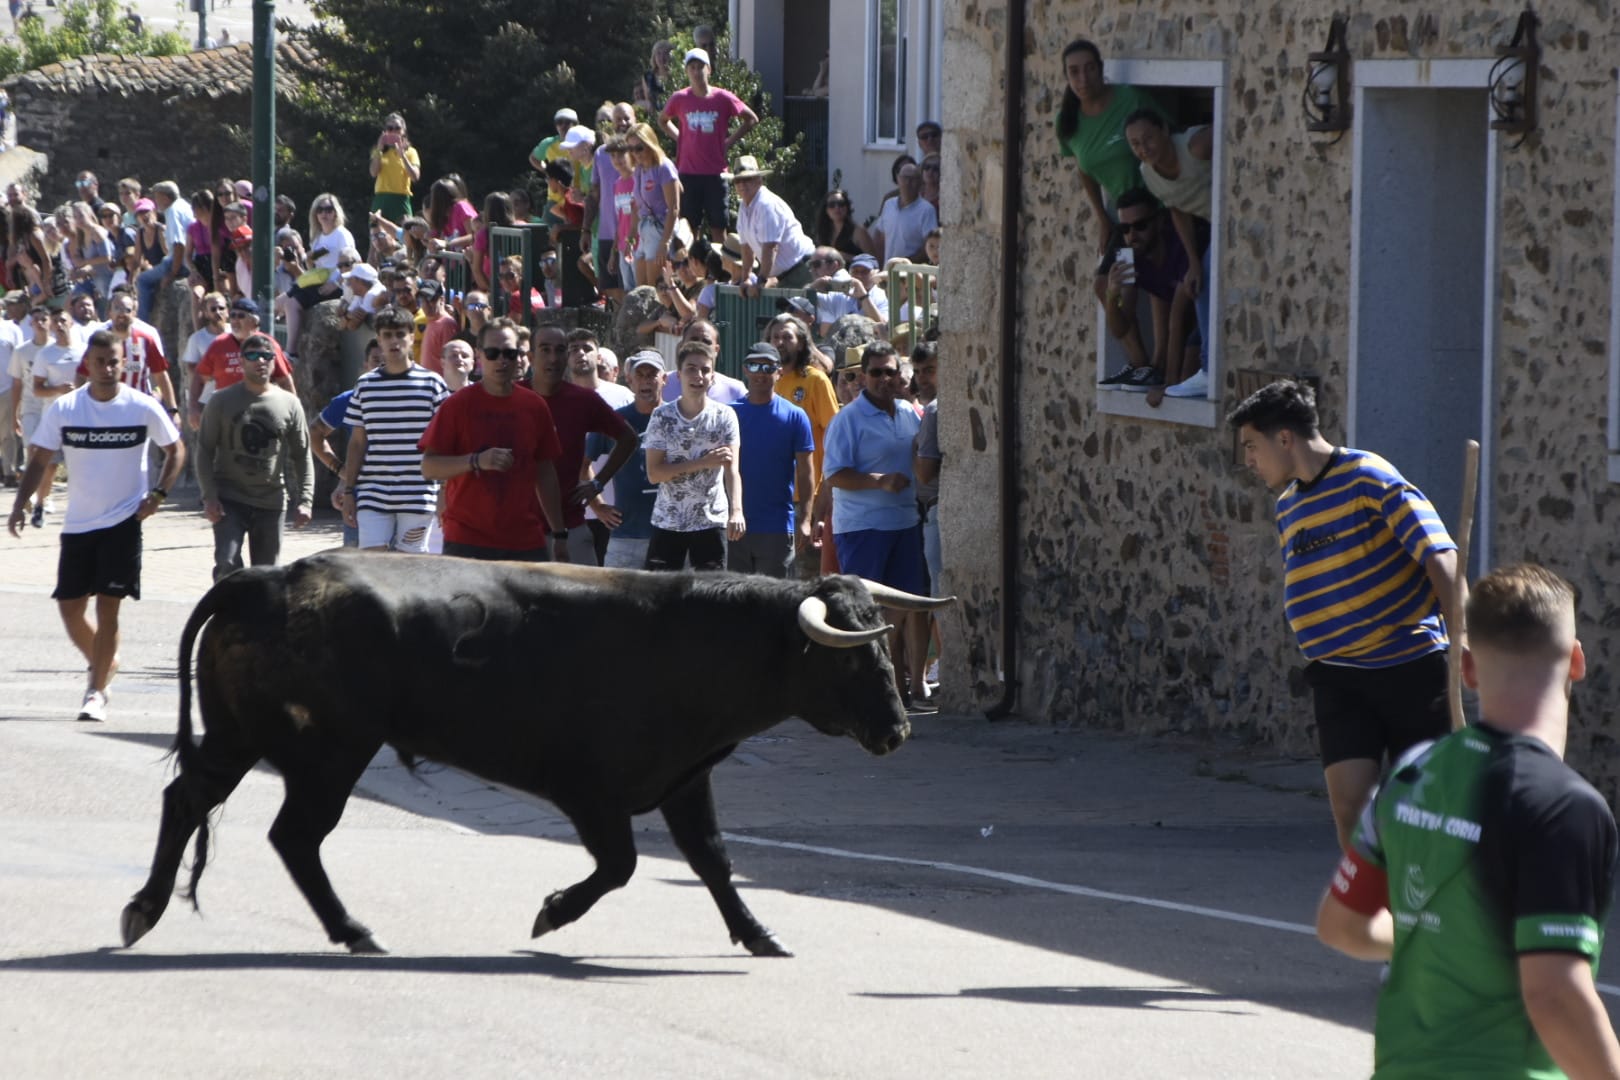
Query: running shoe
[[38, 520], [1143, 379], [94, 707]]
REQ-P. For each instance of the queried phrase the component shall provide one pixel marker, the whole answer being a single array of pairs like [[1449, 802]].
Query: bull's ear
[[813, 621]]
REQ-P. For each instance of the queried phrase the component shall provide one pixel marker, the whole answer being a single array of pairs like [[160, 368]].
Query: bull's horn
[[904, 601], [813, 621]]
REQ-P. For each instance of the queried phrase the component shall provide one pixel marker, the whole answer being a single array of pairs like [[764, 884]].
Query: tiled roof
[[210, 73]]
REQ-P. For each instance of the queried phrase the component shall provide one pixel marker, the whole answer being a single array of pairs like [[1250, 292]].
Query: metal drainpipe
[[1012, 190]]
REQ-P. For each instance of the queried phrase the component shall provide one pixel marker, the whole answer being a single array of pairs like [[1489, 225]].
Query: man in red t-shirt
[[699, 119], [145, 368], [223, 360], [577, 412], [496, 446]]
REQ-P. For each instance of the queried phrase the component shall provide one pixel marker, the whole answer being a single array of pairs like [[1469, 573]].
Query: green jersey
[[1098, 143], [1492, 847]]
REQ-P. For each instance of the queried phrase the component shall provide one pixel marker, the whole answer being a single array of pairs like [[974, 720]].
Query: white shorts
[[397, 532], [649, 238]]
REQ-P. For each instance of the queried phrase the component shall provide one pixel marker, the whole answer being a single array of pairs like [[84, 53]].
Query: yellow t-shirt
[[421, 332], [392, 179], [812, 392]]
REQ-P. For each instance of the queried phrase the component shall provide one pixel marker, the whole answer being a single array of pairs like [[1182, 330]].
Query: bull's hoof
[[134, 923], [542, 924], [767, 945], [367, 945]]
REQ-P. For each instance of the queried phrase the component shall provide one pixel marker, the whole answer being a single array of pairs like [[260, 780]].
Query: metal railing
[[742, 321], [913, 294], [522, 241]]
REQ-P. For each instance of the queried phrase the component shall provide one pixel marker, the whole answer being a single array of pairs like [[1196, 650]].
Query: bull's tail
[[250, 595]]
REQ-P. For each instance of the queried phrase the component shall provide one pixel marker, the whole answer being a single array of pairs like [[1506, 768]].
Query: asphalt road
[[1006, 900]]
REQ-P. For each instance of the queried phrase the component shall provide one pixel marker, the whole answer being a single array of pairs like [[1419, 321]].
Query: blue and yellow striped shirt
[[1353, 542]]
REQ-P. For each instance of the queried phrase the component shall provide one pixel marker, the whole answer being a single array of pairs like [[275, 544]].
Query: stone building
[[1441, 280], [154, 117]]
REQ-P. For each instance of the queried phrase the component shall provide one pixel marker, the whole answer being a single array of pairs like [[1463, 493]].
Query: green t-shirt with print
[[1099, 145]]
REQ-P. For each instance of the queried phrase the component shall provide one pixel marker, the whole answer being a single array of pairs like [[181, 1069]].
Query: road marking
[[1052, 886]]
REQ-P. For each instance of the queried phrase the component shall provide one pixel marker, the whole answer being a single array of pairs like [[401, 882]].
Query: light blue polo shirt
[[865, 438]]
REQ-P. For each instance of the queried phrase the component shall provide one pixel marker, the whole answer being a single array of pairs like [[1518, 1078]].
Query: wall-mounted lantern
[[1513, 79], [1327, 84]]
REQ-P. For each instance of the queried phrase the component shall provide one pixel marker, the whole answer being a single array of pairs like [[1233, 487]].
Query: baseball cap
[[578, 135], [565, 114], [244, 306], [241, 237], [696, 54], [867, 261], [364, 272], [801, 306], [144, 204], [429, 288], [643, 357], [762, 350]]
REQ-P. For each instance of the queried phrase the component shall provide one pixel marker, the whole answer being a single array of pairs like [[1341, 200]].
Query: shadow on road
[[1166, 998], [523, 962]]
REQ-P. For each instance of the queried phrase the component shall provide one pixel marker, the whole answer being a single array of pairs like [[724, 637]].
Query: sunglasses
[[835, 203], [393, 127], [883, 373], [476, 305], [758, 367], [493, 353], [83, 183], [1135, 226], [258, 356], [326, 209], [847, 376]]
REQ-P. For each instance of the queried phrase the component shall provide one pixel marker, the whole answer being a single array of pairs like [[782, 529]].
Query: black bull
[[610, 693]]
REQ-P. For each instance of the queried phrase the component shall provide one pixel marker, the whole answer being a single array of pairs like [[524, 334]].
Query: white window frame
[[874, 46], [1197, 412]]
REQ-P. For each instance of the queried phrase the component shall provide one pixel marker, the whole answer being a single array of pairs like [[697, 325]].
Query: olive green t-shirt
[[254, 449]]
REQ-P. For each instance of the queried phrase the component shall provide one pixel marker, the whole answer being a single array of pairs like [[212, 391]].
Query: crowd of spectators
[[477, 432]]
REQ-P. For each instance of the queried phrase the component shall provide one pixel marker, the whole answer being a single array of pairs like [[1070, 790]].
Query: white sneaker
[[931, 676], [1197, 385], [94, 707]]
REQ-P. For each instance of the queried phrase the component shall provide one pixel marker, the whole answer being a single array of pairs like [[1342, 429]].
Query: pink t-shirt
[[461, 213], [704, 123], [624, 208]]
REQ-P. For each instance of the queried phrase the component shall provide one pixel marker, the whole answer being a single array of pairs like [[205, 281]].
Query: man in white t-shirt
[[103, 427], [770, 232], [214, 323], [365, 295], [905, 220], [691, 446], [12, 330], [52, 372]]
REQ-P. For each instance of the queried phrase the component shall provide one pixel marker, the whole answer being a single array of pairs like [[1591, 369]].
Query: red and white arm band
[[1359, 885]]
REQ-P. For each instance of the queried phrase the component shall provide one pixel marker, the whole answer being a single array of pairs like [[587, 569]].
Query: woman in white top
[[329, 237]]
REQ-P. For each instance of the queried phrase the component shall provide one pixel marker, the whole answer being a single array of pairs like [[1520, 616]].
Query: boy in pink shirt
[[699, 119]]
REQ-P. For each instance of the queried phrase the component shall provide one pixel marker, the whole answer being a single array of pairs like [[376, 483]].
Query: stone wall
[[121, 134], [1151, 591]]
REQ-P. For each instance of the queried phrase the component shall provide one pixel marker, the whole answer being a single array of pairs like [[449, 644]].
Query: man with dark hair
[[691, 447], [634, 496], [1368, 573], [252, 453], [385, 494], [495, 445], [774, 465], [102, 428], [1156, 264], [868, 463], [1483, 868], [577, 412]]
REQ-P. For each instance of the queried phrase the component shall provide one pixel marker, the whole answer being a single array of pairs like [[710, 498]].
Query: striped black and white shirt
[[395, 410]]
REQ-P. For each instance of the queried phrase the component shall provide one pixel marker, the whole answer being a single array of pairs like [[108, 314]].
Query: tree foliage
[[87, 27], [477, 82]]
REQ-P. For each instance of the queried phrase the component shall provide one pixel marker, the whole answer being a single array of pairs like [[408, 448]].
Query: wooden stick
[[1465, 530]]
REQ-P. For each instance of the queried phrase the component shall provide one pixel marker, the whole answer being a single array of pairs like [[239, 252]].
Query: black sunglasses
[[848, 376], [823, 262], [883, 373], [758, 367], [837, 202], [1136, 226], [493, 353]]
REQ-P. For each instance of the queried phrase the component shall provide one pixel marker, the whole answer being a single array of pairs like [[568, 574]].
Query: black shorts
[[103, 562], [668, 550], [1370, 712], [704, 196]]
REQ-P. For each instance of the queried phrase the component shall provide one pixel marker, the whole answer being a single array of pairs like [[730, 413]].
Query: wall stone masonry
[[1151, 593]]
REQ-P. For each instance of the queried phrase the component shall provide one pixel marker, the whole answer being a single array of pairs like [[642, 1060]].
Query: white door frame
[[1432, 75]]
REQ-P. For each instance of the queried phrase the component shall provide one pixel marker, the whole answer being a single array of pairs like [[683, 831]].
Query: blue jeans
[[146, 284]]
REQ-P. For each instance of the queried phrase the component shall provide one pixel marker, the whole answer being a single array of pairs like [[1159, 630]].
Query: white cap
[[650, 357], [697, 54], [578, 135], [565, 114]]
